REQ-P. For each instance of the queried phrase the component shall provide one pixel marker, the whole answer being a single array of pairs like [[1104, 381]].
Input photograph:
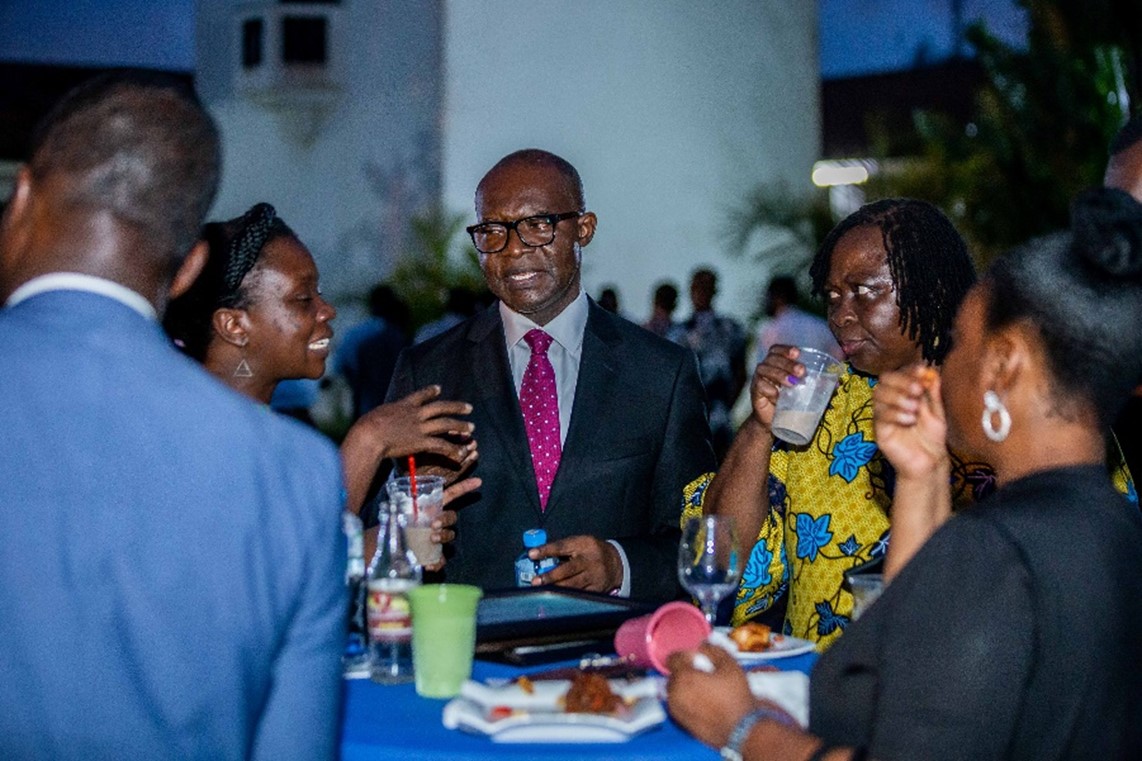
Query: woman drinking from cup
[[892, 275], [1015, 630], [255, 316]]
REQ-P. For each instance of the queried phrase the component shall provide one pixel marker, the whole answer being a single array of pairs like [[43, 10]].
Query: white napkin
[[788, 689]]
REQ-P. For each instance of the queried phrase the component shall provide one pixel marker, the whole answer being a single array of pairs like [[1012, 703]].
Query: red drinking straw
[[412, 484]]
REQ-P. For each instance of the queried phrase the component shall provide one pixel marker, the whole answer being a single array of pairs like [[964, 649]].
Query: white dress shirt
[[565, 353]]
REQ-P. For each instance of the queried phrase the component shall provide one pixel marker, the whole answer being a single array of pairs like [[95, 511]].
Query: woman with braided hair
[[255, 316], [892, 274]]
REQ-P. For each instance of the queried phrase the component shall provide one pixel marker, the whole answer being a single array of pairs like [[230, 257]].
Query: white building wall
[[373, 163], [671, 110]]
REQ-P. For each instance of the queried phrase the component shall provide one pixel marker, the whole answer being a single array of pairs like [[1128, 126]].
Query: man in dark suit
[[173, 582], [589, 426]]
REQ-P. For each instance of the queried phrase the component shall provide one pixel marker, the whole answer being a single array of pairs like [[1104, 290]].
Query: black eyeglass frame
[[551, 219]]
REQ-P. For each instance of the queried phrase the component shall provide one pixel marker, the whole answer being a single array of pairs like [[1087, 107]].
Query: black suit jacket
[[638, 434]]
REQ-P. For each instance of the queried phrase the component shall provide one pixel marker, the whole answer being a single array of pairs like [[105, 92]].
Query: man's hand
[[442, 531], [584, 563]]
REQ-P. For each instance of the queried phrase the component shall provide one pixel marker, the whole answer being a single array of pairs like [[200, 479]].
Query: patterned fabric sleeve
[[1120, 473], [766, 574], [693, 495]]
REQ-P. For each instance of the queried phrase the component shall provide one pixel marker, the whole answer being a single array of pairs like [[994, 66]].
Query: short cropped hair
[[139, 145], [784, 287], [538, 157]]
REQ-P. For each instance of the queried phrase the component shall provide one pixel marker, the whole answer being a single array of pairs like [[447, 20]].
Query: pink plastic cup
[[648, 640]]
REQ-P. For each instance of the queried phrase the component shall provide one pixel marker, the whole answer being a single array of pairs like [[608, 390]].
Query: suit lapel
[[595, 389], [496, 392]]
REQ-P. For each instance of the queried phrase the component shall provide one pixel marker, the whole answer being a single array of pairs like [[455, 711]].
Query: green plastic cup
[[443, 637]]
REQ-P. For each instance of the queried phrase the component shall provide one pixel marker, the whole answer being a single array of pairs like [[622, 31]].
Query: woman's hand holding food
[[908, 420]]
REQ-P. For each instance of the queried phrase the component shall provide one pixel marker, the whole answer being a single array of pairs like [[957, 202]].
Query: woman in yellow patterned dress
[[892, 274]]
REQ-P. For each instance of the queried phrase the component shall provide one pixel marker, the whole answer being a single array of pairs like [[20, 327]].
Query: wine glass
[[709, 561]]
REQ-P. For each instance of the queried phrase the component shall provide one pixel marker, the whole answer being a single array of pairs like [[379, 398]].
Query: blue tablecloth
[[392, 722]]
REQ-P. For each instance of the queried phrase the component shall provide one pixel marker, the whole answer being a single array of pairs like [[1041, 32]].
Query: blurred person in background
[[368, 352], [462, 303], [609, 300], [719, 343], [661, 322], [789, 325]]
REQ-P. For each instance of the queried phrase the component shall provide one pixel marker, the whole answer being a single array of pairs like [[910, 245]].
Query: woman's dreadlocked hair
[[235, 246], [928, 260]]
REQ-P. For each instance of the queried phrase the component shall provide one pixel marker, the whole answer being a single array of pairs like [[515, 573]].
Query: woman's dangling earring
[[993, 406], [243, 369]]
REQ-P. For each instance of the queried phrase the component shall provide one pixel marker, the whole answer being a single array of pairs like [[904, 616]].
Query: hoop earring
[[992, 405], [243, 370]]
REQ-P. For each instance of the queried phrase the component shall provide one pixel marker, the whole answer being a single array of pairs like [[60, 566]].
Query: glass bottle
[[356, 656], [392, 573]]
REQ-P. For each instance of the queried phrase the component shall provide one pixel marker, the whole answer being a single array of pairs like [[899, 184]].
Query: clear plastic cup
[[800, 407], [866, 587], [419, 514]]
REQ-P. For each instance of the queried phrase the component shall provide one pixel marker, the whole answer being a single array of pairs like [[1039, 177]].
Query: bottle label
[[390, 617], [524, 572]]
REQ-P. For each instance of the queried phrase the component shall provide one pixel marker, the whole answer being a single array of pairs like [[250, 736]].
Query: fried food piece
[[590, 693], [751, 637], [525, 685], [928, 376]]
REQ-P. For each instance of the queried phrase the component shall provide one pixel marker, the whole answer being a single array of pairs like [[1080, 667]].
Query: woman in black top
[[1015, 631]]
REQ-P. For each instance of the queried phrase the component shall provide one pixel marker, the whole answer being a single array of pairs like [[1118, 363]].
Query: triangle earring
[[243, 370]]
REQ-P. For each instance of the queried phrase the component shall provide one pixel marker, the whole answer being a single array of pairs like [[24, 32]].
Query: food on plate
[[751, 637], [525, 685], [591, 693]]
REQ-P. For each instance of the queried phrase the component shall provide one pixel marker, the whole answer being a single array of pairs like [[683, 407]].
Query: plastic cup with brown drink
[[420, 500]]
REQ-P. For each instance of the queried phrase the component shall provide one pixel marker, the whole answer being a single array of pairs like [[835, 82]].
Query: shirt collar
[[76, 281], [567, 328]]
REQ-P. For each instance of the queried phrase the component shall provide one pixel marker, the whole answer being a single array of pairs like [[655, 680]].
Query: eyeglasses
[[492, 237]]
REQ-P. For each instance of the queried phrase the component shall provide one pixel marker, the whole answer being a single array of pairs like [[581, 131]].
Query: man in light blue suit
[[171, 562]]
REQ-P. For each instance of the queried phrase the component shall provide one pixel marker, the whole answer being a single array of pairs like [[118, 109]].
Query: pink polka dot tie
[[539, 403]]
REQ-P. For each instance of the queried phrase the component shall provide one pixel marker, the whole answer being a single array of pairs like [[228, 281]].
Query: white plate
[[780, 646], [539, 718]]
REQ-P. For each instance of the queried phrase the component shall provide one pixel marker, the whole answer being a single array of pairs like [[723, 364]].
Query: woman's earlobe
[[230, 326]]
